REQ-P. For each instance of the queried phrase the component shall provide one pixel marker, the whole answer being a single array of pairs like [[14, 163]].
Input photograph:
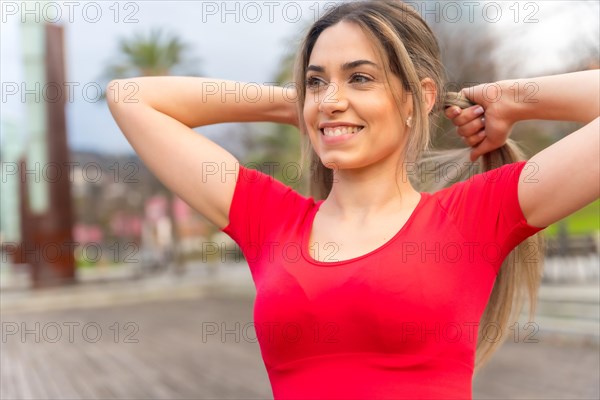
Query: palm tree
[[155, 54]]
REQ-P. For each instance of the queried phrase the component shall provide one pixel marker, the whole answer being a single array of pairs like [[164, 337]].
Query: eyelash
[[310, 81]]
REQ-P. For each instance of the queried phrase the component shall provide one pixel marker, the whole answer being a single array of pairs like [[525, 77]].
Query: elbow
[[121, 92], [112, 94]]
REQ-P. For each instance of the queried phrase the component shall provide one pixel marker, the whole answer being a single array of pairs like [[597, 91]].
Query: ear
[[429, 93]]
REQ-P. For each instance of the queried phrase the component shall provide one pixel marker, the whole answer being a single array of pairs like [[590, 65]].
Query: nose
[[333, 99]]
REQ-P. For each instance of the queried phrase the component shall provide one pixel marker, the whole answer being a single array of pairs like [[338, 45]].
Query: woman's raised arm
[[563, 177], [157, 114]]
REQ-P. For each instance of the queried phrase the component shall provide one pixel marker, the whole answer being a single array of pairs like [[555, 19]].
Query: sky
[[246, 40]]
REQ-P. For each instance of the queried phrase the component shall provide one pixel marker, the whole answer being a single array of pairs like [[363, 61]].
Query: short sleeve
[[485, 208], [260, 208]]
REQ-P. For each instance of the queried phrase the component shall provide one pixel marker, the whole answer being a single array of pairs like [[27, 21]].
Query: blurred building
[[192, 229], [43, 187], [11, 150]]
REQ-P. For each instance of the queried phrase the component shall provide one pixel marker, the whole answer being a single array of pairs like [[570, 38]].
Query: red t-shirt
[[398, 322]]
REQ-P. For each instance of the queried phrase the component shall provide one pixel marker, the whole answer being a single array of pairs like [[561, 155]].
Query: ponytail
[[519, 276]]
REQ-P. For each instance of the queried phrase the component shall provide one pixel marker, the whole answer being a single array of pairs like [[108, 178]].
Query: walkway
[[156, 339]]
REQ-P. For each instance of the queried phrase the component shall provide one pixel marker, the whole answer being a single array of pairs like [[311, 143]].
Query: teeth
[[344, 130]]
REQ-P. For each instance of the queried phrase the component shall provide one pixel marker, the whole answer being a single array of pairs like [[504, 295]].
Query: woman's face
[[346, 91]]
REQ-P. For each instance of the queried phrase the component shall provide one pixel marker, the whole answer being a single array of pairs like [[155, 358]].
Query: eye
[[359, 78], [313, 82]]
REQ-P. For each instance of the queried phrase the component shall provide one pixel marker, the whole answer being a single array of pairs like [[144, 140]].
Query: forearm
[[205, 101], [566, 97]]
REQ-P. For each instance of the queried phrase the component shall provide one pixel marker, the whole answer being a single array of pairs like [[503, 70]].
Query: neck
[[374, 191]]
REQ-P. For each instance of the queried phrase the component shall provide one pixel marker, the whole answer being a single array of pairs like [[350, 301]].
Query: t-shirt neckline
[[308, 225]]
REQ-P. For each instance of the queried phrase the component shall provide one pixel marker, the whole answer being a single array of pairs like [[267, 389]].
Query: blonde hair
[[412, 52]]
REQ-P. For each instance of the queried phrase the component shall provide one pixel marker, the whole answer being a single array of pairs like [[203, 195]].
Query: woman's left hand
[[485, 126]]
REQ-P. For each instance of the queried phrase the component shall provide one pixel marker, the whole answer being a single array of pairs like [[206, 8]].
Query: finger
[[467, 115], [474, 140], [474, 93], [452, 112], [471, 128]]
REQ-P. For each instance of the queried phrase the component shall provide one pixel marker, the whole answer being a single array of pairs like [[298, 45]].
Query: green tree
[[155, 54]]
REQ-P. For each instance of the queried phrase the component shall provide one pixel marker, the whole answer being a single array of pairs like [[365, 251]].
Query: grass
[[583, 222], [84, 263]]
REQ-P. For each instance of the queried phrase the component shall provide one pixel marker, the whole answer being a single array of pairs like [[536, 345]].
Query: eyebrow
[[345, 67]]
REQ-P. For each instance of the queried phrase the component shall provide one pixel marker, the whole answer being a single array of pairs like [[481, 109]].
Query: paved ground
[[156, 350], [143, 339], [144, 351]]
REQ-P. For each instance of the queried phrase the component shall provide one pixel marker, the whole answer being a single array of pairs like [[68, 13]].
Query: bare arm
[[566, 97], [567, 174], [157, 118], [566, 178]]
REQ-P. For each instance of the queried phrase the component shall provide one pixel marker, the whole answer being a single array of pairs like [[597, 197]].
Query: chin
[[337, 163]]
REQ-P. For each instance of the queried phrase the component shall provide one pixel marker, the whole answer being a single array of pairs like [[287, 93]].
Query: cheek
[[305, 111], [389, 123], [391, 115], [310, 120], [311, 112], [308, 112]]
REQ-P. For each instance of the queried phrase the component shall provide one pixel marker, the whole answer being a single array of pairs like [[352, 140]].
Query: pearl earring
[[409, 122]]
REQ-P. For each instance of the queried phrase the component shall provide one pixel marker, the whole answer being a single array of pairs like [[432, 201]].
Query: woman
[[370, 288]]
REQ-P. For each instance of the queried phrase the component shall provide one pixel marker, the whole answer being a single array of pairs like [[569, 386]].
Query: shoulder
[[260, 196], [266, 187], [263, 206], [493, 180], [487, 200]]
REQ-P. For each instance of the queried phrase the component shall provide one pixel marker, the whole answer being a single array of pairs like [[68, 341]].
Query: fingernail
[[479, 110], [483, 119], [481, 134], [455, 111]]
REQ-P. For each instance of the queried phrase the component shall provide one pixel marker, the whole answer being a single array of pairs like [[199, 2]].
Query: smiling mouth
[[341, 130]]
